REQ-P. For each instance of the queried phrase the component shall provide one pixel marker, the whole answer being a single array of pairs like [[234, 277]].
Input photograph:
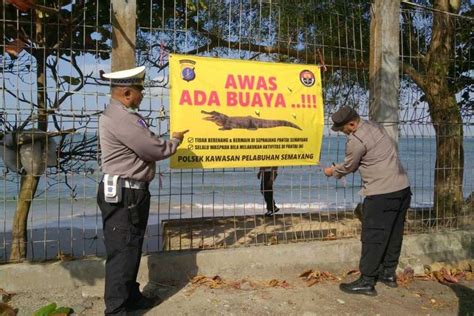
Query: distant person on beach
[[267, 176], [387, 193], [128, 154]]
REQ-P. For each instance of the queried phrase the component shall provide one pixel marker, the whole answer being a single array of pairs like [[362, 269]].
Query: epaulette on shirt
[[354, 136]]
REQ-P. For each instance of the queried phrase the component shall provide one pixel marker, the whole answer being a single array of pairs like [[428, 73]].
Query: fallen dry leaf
[[330, 236], [464, 265], [448, 277], [329, 276], [312, 277], [6, 296], [469, 276], [7, 310], [438, 276], [198, 279], [408, 273], [436, 271], [422, 277], [460, 275], [312, 282], [272, 241], [273, 283], [427, 269], [216, 282], [405, 277], [278, 283], [306, 273]]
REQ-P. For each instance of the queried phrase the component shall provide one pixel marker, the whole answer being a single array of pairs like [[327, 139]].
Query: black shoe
[[389, 280], [270, 212], [143, 303], [359, 286]]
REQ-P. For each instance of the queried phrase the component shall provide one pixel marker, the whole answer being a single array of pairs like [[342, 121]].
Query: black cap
[[343, 116]]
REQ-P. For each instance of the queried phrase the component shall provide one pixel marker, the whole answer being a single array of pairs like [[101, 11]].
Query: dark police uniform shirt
[[374, 153], [129, 149]]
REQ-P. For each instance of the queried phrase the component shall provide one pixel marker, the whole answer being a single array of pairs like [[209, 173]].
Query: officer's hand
[[179, 135], [328, 171]]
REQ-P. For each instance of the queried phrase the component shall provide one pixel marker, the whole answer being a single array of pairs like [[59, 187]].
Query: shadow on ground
[[165, 281], [466, 298]]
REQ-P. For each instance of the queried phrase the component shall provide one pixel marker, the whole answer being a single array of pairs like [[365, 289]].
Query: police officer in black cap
[[129, 151], [387, 193]]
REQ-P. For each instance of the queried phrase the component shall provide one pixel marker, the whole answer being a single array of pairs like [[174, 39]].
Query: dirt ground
[[285, 294], [219, 232], [247, 230], [262, 297]]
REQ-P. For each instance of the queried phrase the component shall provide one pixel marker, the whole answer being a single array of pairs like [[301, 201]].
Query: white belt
[[134, 184]]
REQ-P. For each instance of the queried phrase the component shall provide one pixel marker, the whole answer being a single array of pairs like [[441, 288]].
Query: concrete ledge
[[262, 262]]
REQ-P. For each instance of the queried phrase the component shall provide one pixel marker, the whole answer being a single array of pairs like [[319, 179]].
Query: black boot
[[359, 286], [143, 303], [388, 278]]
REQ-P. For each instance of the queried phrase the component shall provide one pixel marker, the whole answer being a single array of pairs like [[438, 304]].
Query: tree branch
[[311, 58], [414, 75], [73, 62]]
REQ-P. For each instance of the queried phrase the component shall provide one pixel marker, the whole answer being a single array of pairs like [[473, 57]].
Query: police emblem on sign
[[187, 69], [307, 78]]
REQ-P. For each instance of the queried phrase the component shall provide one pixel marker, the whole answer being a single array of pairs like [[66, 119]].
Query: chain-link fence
[[52, 97]]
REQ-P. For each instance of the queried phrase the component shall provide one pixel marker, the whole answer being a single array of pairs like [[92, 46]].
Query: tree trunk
[[449, 167], [432, 78], [123, 34], [29, 183], [445, 115]]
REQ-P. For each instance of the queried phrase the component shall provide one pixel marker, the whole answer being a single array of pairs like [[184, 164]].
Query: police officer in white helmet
[[129, 151]]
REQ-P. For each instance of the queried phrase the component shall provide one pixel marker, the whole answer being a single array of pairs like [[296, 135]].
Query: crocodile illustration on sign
[[244, 122]]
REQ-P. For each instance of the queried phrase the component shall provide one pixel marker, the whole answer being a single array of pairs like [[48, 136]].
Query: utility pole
[[384, 80], [123, 33]]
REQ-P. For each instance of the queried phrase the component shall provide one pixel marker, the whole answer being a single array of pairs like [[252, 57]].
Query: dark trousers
[[124, 225], [383, 221], [266, 188]]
